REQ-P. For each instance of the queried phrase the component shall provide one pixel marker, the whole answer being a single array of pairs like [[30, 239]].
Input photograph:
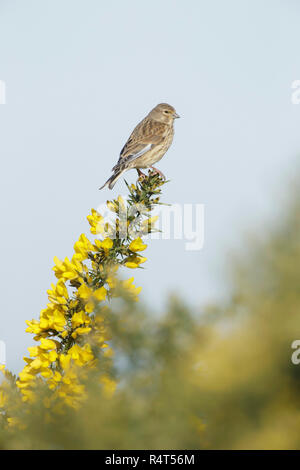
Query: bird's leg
[[160, 173], [140, 173]]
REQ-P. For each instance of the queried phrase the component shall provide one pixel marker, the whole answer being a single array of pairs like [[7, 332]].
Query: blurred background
[[79, 76], [220, 380]]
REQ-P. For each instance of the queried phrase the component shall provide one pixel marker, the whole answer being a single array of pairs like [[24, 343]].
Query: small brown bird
[[147, 144]]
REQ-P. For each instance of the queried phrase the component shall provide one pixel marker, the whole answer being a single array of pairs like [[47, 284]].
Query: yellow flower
[[134, 261], [26, 376], [3, 398], [106, 244], [33, 351], [33, 327], [107, 351], [52, 355], [89, 307], [112, 206], [84, 292], [137, 245], [96, 222], [68, 270], [81, 331], [80, 318], [15, 423], [131, 289], [46, 373], [57, 377], [64, 360], [27, 360], [109, 386], [28, 396], [57, 321], [51, 318], [47, 344], [111, 281], [82, 247], [81, 355], [100, 294], [148, 224], [59, 293], [121, 202]]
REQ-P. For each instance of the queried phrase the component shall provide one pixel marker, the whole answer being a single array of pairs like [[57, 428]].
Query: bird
[[147, 144]]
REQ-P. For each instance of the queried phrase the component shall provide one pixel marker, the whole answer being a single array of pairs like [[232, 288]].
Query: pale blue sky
[[80, 74]]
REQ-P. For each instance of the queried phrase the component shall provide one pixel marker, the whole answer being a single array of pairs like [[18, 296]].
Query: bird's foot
[[142, 175], [158, 172]]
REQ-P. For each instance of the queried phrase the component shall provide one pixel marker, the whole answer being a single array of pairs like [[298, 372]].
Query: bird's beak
[[176, 116]]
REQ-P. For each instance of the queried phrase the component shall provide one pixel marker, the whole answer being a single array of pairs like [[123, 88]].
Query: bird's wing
[[146, 135]]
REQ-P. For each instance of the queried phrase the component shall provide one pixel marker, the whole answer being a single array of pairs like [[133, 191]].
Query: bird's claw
[[141, 176], [158, 172]]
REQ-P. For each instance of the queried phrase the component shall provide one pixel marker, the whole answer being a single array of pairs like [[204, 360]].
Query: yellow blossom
[[105, 244], [134, 261], [28, 396], [111, 281], [112, 206], [64, 360], [107, 351], [96, 222], [82, 247], [81, 355], [148, 224], [52, 317], [58, 294], [81, 331], [67, 270], [137, 245], [26, 376], [80, 318], [15, 423], [47, 344], [3, 398], [33, 351], [121, 204], [89, 307], [46, 373], [33, 327], [130, 288], [100, 294], [109, 385], [84, 291]]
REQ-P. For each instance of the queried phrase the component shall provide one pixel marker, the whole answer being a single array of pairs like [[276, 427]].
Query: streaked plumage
[[147, 144]]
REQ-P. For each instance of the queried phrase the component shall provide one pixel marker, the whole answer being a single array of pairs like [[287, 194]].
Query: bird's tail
[[113, 179]]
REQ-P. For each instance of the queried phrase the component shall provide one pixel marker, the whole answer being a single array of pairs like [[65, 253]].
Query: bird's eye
[[167, 112]]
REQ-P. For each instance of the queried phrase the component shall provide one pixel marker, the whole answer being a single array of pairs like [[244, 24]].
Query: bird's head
[[164, 112]]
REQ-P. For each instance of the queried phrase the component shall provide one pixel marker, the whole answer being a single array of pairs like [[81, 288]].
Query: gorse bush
[[107, 374], [73, 330]]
